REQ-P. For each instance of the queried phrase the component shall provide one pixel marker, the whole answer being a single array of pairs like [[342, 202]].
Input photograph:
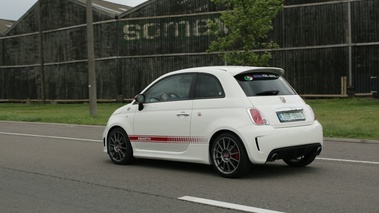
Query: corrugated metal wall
[[167, 35], [365, 35], [170, 7], [314, 71], [182, 34]]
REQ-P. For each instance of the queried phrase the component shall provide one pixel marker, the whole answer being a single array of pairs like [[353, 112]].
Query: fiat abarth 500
[[227, 116]]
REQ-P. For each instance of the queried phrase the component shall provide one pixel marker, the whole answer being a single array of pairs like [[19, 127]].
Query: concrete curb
[[350, 140]]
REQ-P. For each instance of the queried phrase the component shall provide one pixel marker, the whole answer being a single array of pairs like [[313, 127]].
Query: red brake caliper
[[237, 154]]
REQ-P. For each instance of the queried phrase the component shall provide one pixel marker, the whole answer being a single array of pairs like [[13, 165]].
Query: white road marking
[[350, 161], [226, 205], [52, 137]]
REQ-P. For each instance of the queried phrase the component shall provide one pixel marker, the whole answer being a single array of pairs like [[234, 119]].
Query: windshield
[[263, 84]]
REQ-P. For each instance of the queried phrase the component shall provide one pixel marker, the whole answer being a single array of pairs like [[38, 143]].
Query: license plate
[[291, 116]]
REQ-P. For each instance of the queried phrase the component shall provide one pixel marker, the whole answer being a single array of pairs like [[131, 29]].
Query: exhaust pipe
[[274, 157], [319, 149]]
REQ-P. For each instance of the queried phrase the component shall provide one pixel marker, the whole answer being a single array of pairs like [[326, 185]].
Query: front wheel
[[300, 161], [229, 156], [119, 148]]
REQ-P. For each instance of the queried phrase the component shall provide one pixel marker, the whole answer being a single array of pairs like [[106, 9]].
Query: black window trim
[[190, 95], [193, 89]]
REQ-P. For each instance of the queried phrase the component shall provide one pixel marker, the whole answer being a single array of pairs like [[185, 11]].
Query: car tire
[[119, 148], [229, 157], [300, 161]]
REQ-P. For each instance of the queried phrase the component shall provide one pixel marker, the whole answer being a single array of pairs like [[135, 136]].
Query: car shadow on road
[[269, 170], [176, 166], [279, 170]]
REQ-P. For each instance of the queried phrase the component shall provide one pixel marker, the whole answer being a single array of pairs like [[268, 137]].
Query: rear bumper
[[294, 152], [262, 143]]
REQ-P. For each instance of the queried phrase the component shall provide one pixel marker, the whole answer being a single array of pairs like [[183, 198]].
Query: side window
[[172, 88], [208, 86]]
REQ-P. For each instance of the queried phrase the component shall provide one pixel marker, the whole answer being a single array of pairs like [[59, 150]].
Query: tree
[[248, 23]]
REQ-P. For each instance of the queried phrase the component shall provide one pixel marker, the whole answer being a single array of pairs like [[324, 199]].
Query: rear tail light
[[257, 117], [313, 113]]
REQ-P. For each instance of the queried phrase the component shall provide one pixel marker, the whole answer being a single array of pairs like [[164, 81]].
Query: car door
[[164, 122]]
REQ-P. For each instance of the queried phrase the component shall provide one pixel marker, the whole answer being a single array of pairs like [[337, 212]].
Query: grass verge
[[348, 118], [340, 118], [57, 113]]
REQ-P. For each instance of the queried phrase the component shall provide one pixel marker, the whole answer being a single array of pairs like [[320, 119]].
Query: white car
[[227, 116]]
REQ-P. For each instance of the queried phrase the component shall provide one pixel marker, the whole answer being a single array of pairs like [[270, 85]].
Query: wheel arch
[[122, 150], [109, 131], [216, 134]]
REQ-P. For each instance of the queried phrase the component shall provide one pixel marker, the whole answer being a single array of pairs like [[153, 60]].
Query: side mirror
[[140, 98]]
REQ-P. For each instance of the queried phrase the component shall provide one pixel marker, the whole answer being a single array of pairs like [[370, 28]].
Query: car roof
[[236, 70]]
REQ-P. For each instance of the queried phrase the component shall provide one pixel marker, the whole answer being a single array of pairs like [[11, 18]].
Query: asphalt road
[[62, 168]]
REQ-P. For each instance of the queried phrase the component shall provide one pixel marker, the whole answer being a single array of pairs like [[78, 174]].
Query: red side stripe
[[167, 139]]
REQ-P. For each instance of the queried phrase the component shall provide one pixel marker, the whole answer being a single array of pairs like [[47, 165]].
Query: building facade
[[326, 47]]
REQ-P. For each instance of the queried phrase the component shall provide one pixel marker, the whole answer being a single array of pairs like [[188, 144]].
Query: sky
[[14, 9]]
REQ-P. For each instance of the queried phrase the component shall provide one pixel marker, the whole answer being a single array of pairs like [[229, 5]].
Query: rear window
[[263, 84]]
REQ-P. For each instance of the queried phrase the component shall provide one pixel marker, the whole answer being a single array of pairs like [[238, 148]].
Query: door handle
[[182, 114]]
